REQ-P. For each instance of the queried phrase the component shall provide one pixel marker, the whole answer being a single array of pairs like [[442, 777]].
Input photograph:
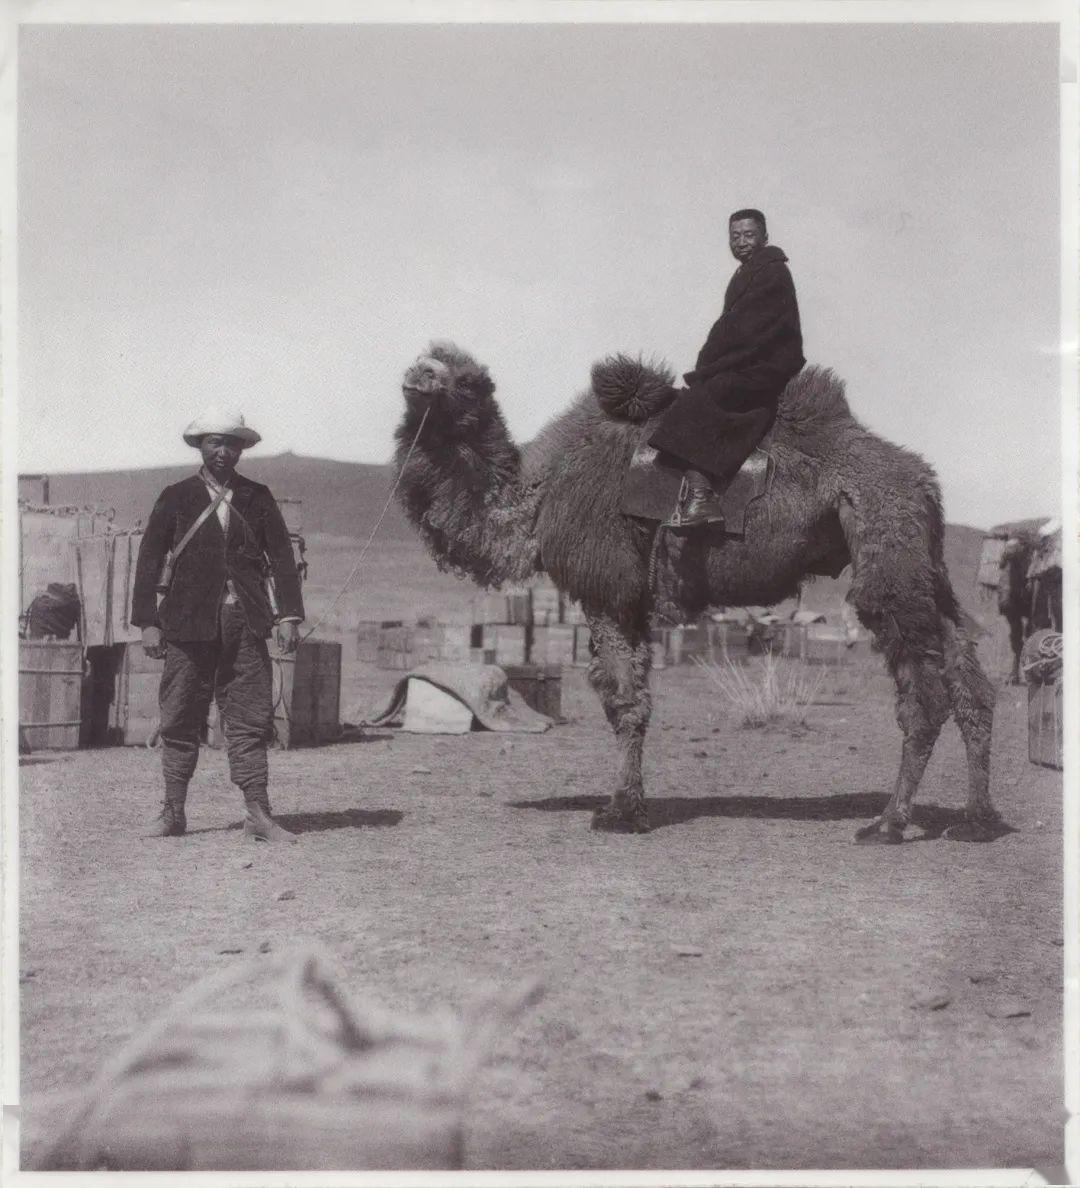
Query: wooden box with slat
[[553, 644], [307, 694], [135, 716], [52, 695], [1046, 725]]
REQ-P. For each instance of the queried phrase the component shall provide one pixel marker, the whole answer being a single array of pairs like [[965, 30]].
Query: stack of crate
[[523, 625]]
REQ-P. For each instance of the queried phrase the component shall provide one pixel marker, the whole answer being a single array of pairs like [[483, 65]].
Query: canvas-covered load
[[454, 699]]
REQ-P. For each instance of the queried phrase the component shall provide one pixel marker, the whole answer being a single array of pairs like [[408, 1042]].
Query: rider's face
[[745, 237]]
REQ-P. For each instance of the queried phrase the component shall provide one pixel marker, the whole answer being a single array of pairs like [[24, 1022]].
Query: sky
[[280, 218]]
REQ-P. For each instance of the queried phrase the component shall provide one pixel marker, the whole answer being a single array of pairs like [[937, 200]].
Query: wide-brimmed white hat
[[220, 420]]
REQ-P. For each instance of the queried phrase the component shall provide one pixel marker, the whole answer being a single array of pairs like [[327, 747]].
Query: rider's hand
[[288, 637], [153, 643]]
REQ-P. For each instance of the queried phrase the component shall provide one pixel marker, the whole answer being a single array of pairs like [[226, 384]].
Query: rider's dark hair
[[750, 213]]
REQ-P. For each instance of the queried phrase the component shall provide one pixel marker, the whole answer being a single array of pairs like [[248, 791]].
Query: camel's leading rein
[[367, 544]]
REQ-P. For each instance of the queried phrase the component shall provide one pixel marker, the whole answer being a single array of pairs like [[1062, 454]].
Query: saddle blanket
[[651, 487]]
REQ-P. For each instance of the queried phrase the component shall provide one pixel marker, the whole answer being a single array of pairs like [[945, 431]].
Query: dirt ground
[[846, 1009]]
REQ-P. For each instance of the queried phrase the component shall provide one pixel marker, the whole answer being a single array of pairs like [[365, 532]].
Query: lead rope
[[378, 523]]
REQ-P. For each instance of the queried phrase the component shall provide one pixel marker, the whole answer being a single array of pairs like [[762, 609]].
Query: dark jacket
[[750, 354], [189, 611]]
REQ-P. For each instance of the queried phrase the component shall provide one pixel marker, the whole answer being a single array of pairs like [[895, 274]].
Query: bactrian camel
[[498, 514]]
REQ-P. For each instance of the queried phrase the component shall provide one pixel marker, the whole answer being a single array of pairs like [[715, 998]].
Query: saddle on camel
[[701, 453]]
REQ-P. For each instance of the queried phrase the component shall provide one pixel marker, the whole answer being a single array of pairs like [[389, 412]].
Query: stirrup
[[678, 520]]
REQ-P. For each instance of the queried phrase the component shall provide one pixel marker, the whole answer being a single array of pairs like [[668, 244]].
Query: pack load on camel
[[838, 495]]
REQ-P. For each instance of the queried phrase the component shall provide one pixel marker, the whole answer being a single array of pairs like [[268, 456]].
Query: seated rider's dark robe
[[749, 356]]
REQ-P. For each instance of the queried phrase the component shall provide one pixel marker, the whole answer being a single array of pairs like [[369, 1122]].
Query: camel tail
[[944, 594]]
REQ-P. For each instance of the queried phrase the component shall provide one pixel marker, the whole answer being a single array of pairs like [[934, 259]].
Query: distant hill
[[339, 498], [344, 499]]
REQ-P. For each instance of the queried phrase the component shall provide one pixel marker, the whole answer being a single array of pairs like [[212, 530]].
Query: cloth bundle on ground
[[450, 698], [312, 1083], [54, 613]]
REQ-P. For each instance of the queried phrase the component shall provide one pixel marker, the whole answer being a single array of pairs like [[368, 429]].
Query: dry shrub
[[767, 693]]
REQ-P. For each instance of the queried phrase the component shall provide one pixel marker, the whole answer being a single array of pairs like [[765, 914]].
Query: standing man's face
[[745, 237], [220, 454]]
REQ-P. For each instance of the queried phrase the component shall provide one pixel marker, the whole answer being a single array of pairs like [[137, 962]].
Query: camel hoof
[[977, 831], [879, 833], [610, 820]]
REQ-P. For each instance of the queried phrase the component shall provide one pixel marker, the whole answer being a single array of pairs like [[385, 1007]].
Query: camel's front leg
[[922, 706], [619, 672]]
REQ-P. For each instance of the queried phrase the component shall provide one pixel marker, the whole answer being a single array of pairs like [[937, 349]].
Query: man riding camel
[[749, 355], [215, 573]]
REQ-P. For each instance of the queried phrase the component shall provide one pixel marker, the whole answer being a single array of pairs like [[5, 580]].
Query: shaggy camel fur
[[490, 512]]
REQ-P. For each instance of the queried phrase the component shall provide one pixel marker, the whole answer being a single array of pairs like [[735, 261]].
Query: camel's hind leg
[[901, 592], [972, 698], [619, 672], [930, 687], [922, 706]]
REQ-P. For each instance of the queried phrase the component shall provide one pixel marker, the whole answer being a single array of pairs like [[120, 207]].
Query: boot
[[703, 506], [171, 821], [259, 825]]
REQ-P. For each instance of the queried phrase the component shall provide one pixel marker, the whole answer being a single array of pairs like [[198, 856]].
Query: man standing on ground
[[750, 354], [215, 573]]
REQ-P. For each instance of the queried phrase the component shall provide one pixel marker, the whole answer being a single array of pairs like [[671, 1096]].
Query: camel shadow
[[321, 822], [932, 819]]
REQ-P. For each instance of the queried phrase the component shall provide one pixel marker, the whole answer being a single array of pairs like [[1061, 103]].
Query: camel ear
[[476, 382]]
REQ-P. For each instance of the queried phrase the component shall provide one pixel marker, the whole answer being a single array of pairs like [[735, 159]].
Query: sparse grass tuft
[[767, 693]]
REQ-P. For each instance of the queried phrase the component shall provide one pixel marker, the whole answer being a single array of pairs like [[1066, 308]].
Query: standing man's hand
[[288, 637], [153, 643]]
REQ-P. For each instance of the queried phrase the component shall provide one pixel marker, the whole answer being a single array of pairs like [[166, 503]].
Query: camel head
[[447, 380]]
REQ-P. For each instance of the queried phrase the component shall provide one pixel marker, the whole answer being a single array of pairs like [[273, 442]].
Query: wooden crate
[[1046, 725], [827, 645], [572, 612], [547, 606], [125, 554], [395, 646], [51, 694], [455, 645], [519, 608], [582, 655], [123, 700], [307, 694], [794, 640], [426, 643], [728, 643], [540, 685], [34, 488], [45, 550], [509, 642], [367, 641], [553, 644], [491, 608], [94, 557]]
